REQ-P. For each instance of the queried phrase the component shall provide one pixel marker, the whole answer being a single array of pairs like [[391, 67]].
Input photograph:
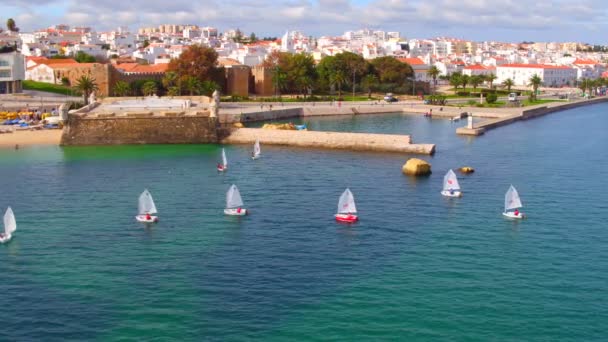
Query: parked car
[[512, 97], [390, 98]]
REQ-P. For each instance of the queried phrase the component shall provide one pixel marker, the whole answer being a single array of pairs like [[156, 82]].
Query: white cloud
[[476, 19]]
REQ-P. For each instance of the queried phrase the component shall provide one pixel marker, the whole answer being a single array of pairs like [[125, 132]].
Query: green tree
[[433, 73], [174, 91], [390, 70], [149, 88], [192, 85], [455, 80], [11, 26], [508, 83], [338, 79], [208, 87], [171, 80], [300, 72], [199, 62], [279, 79], [535, 82], [369, 81], [86, 85], [490, 78], [476, 80], [121, 88], [82, 57], [253, 38], [492, 98], [464, 80]]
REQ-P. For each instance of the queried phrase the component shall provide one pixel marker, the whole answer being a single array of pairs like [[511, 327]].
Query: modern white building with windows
[[552, 75], [12, 72]]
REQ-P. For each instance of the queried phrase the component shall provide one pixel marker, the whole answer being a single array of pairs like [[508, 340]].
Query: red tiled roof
[[411, 61], [142, 68], [534, 66], [475, 67], [584, 61]]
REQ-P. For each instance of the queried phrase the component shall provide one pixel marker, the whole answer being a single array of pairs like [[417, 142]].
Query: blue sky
[[504, 20]]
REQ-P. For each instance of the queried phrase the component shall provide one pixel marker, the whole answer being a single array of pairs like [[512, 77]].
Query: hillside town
[[61, 54]]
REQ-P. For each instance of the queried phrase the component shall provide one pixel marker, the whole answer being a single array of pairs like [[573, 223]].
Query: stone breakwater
[[329, 140], [526, 114]]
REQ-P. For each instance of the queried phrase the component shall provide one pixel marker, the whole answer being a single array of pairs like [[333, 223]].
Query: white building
[[478, 70], [551, 75], [12, 72]]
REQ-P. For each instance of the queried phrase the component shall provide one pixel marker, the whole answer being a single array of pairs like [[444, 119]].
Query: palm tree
[[192, 85], [173, 91], [86, 85], [279, 78], [368, 82], [149, 88], [535, 82], [305, 83], [508, 83], [171, 79], [338, 79], [121, 88], [433, 73], [490, 78], [476, 80], [455, 80], [464, 80]]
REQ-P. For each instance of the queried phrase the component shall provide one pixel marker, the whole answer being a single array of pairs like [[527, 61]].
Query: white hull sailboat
[[234, 202], [224, 165], [256, 150], [347, 210], [146, 208], [451, 188], [512, 204], [10, 225]]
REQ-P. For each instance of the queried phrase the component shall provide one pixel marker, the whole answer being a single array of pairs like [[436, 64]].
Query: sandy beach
[[30, 138]]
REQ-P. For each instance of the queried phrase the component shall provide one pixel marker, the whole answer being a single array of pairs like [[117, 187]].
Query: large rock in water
[[286, 126], [416, 167]]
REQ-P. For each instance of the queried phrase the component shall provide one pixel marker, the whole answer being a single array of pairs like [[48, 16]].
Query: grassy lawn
[[49, 88], [527, 102]]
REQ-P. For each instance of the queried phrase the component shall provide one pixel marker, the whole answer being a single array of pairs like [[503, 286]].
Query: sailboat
[[10, 225], [451, 188], [256, 150], [234, 202], [224, 165], [347, 211], [512, 204], [146, 208]]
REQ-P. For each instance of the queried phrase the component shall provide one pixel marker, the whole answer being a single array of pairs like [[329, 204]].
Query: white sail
[[256, 149], [233, 198], [146, 203], [512, 200], [10, 225], [450, 182], [224, 160], [346, 204]]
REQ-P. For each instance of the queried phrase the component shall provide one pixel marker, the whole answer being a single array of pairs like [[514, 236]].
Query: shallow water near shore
[[416, 267]]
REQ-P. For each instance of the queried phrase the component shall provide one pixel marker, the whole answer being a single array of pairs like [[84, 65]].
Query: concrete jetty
[[524, 114], [329, 140]]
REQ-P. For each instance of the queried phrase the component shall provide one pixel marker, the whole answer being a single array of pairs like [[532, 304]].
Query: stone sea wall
[[140, 128], [329, 140]]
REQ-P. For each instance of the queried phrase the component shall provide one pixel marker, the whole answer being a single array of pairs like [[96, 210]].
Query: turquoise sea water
[[416, 267]]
